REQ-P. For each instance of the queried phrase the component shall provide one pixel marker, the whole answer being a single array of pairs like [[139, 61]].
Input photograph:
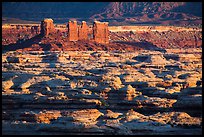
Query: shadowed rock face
[[47, 27], [72, 31], [100, 32]]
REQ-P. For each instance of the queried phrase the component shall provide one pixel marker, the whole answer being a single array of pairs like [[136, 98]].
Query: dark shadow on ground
[[50, 57], [45, 47], [22, 44]]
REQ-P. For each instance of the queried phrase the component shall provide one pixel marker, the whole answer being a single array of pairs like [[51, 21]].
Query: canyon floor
[[135, 85]]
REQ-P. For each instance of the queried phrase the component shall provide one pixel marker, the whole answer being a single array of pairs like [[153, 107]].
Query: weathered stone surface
[[41, 117], [154, 102], [113, 82], [111, 114], [87, 115], [132, 115], [164, 84], [7, 84], [83, 31], [175, 118], [129, 92], [47, 27], [34, 80], [101, 32], [73, 31], [46, 116]]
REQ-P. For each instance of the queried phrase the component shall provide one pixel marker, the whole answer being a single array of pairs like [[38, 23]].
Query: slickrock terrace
[[102, 92]]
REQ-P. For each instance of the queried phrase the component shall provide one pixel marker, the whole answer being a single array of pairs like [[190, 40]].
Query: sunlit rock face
[[73, 31], [83, 31], [100, 32]]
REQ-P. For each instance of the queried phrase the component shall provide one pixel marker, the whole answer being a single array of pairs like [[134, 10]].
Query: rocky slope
[[150, 12]]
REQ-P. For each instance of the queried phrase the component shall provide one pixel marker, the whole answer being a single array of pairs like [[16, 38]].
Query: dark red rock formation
[[72, 31], [47, 27], [83, 31], [100, 32]]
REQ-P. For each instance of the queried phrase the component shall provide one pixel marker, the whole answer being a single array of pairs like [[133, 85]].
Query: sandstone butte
[[47, 27], [81, 32], [100, 32], [72, 31]]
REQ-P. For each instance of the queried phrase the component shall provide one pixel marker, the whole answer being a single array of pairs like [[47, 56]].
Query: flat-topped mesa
[[47, 27], [73, 31], [83, 31], [100, 32]]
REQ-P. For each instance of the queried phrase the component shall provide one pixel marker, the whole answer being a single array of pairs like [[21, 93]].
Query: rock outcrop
[[47, 27], [73, 31], [111, 114], [46, 116], [128, 92], [86, 116], [101, 32], [83, 31]]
